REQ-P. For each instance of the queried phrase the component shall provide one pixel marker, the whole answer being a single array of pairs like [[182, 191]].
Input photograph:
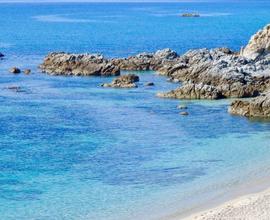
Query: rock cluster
[[220, 71], [79, 65], [124, 81]]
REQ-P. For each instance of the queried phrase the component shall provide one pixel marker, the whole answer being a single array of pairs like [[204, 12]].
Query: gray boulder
[[124, 81]]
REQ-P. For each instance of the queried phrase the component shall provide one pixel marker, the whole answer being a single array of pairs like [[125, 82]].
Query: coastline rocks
[[14, 70], [222, 71], [148, 61], [79, 65], [259, 45], [193, 91], [256, 107], [124, 81]]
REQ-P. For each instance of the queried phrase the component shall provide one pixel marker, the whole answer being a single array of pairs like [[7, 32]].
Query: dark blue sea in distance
[[72, 150]]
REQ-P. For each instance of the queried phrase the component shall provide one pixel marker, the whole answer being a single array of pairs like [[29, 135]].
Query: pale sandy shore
[[248, 207]]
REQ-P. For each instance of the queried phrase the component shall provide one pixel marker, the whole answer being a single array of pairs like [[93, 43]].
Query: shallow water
[[73, 150]]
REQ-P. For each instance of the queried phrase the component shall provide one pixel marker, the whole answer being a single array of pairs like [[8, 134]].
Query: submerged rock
[[1, 55], [125, 81], [79, 65], [27, 71], [184, 113], [182, 107], [190, 15], [16, 88], [259, 45], [15, 70], [149, 84]]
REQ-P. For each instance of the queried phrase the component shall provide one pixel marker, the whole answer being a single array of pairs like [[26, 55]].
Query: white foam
[[61, 19]]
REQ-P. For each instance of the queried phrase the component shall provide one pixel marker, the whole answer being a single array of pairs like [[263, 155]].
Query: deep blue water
[[73, 150]]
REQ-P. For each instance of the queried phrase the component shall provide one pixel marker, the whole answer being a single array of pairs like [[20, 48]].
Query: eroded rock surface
[[259, 45], [193, 91], [148, 61], [79, 65], [124, 81], [256, 107]]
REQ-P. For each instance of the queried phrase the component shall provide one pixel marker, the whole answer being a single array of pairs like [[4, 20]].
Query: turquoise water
[[73, 150]]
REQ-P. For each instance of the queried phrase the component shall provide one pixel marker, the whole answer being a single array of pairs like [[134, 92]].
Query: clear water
[[73, 150]]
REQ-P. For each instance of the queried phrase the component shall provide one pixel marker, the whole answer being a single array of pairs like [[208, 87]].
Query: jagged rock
[[161, 60], [27, 71], [231, 75], [256, 107], [15, 70], [124, 81], [259, 45], [79, 65], [193, 91]]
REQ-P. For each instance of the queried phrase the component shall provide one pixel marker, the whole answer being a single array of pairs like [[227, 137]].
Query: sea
[[70, 149]]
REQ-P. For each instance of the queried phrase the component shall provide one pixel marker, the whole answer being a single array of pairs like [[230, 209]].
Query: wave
[[62, 19], [217, 14], [5, 45]]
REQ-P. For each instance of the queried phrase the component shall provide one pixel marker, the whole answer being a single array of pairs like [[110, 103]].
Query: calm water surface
[[72, 150]]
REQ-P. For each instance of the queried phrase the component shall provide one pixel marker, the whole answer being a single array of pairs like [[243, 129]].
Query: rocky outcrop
[[224, 72], [256, 107], [79, 65], [259, 45], [161, 60], [124, 81], [193, 91]]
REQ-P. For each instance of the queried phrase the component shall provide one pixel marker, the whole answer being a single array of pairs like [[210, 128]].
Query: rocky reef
[[124, 81], [78, 65]]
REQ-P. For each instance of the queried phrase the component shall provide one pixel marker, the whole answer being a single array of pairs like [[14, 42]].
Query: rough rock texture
[[259, 45], [125, 81], [193, 91], [230, 74], [256, 107], [79, 65], [148, 61]]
